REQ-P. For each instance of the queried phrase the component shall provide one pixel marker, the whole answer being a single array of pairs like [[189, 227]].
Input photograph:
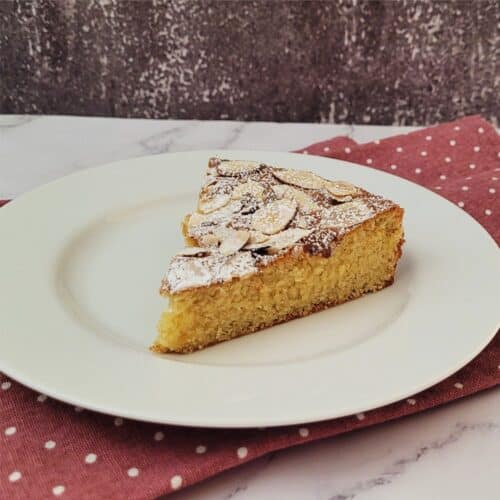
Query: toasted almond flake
[[236, 167], [213, 162], [286, 239], [209, 240], [234, 241], [210, 201], [251, 187], [304, 201], [274, 217], [194, 252], [257, 246], [341, 188], [257, 237], [300, 178], [196, 219]]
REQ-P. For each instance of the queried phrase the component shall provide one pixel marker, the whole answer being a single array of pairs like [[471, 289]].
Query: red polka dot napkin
[[49, 449]]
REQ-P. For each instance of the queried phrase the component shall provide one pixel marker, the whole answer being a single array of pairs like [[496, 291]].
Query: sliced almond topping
[[211, 201], [194, 252], [257, 237], [213, 162], [341, 188], [236, 167], [251, 187], [286, 239], [304, 201], [256, 241], [196, 219], [209, 240], [274, 217], [300, 178], [257, 246], [234, 242]]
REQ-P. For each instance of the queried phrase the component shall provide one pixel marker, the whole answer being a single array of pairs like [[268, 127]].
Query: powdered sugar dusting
[[194, 272], [298, 209]]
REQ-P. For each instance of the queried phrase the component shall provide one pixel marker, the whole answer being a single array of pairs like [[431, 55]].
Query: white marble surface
[[35, 150], [448, 453]]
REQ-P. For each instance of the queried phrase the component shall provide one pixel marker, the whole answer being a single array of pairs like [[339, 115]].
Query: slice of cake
[[267, 245]]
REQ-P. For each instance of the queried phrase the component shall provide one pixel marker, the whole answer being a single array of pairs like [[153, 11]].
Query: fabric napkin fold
[[48, 448]]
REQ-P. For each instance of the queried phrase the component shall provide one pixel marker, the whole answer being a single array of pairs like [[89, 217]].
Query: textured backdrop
[[383, 62]]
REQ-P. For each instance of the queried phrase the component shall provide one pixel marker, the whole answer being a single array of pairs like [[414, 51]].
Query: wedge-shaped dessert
[[267, 245]]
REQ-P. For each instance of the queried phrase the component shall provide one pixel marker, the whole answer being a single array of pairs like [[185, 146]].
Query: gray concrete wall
[[380, 62]]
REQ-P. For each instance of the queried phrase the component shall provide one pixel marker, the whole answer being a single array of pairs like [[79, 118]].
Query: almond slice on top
[[234, 241], [286, 239], [194, 252], [236, 167], [211, 201], [251, 187], [304, 201], [257, 237], [341, 188], [280, 241], [300, 178], [274, 217]]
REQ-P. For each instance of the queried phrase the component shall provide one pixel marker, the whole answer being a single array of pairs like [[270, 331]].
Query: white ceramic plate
[[81, 260]]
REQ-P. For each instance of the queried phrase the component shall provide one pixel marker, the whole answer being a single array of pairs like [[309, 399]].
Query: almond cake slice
[[269, 244]]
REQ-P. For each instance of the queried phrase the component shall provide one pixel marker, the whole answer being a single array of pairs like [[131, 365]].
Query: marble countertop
[[451, 452]]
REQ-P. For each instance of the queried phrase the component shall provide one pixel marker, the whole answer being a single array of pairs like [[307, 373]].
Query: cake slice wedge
[[267, 245]]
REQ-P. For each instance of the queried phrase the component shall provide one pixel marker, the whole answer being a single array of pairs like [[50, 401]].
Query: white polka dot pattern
[[90, 458], [242, 452], [58, 490], [15, 476], [303, 432], [133, 472], [176, 482], [158, 436]]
